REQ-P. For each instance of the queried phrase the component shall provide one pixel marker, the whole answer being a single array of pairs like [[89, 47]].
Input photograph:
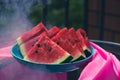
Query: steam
[[14, 22], [14, 19]]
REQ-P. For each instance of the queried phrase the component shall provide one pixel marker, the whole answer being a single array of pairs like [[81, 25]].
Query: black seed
[[77, 40], [58, 43], [32, 44], [45, 45], [36, 40], [68, 39], [38, 45], [36, 51], [49, 49]]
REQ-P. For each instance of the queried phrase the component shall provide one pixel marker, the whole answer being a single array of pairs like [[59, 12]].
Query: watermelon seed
[[32, 44], [68, 39], [36, 51], [77, 40], [38, 45], [36, 40], [58, 43], [49, 49], [45, 45]]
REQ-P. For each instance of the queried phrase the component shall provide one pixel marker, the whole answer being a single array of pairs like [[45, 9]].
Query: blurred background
[[99, 18]]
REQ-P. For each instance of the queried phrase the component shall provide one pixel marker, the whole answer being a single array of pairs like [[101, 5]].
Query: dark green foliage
[[76, 13], [36, 14], [56, 13]]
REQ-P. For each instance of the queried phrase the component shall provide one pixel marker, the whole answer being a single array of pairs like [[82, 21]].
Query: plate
[[63, 67]]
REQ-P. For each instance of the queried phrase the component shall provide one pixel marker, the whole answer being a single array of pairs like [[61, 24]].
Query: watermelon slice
[[53, 31], [35, 31], [83, 33], [83, 38], [65, 39], [84, 41], [48, 52], [76, 44], [26, 46]]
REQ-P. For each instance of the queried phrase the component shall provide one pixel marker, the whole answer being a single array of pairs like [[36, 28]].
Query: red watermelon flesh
[[35, 31], [59, 34], [76, 52], [26, 46], [84, 39], [63, 39], [53, 31], [87, 42], [46, 51], [81, 38], [75, 42], [83, 33], [57, 38]]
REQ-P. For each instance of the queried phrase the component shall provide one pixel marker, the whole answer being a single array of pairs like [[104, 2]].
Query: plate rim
[[70, 63]]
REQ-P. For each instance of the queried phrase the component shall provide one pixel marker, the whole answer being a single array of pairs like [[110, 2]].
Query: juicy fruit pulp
[[54, 45], [53, 31], [35, 31], [47, 51], [84, 41], [68, 40], [24, 48]]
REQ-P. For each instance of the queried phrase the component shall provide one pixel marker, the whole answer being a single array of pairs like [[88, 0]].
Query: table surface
[[10, 69]]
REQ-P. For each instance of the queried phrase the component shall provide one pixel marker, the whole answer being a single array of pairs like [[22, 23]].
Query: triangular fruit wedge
[[48, 52], [84, 40], [35, 31], [62, 38], [53, 31], [26, 46], [82, 35], [72, 38], [59, 34]]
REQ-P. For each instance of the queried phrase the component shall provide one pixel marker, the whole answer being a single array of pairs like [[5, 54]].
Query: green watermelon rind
[[74, 62], [19, 41], [77, 56], [22, 50], [59, 61], [39, 28]]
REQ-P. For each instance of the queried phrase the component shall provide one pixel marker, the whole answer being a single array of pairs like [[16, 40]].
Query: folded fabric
[[104, 66]]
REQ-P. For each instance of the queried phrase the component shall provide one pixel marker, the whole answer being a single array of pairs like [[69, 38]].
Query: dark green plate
[[64, 67]]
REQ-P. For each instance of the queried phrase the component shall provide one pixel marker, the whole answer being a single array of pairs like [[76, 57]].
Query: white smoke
[[14, 19], [14, 22]]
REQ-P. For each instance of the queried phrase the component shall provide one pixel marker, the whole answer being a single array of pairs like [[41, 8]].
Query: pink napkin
[[104, 66]]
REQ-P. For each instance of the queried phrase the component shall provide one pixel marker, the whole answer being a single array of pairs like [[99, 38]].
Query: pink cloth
[[10, 69], [104, 66]]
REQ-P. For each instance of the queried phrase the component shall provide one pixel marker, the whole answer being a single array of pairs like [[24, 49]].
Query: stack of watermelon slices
[[54, 46]]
